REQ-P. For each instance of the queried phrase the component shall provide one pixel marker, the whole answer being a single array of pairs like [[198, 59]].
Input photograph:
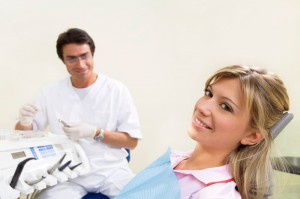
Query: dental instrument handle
[[73, 167], [56, 165], [64, 123], [64, 165], [19, 169]]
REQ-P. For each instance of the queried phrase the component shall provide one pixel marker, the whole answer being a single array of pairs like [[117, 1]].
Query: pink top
[[208, 183]]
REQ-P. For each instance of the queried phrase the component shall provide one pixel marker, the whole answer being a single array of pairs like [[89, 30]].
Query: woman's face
[[220, 119]]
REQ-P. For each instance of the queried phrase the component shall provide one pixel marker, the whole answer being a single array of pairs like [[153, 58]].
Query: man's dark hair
[[73, 35]]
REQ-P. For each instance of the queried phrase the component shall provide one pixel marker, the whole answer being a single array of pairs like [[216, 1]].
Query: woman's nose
[[204, 106]]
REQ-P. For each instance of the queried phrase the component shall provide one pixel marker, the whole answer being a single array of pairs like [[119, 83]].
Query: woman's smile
[[199, 124]]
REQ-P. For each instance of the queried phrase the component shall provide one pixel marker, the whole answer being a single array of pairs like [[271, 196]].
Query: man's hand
[[27, 113], [80, 131]]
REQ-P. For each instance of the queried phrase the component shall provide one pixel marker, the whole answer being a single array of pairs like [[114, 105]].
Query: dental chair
[[99, 195], [275, 131]]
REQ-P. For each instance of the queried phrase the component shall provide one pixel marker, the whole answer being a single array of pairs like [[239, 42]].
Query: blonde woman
[[231, 126]]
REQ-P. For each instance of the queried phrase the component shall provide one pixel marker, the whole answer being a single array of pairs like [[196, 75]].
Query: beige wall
[[163, 50]]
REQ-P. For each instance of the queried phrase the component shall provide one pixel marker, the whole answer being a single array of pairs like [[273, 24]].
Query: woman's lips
[[199, 123]]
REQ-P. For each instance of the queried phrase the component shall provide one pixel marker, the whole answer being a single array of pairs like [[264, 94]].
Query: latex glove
[[27, 113], [80, 131]]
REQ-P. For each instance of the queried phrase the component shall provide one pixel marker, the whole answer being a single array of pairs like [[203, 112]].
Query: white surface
[[163, 50]]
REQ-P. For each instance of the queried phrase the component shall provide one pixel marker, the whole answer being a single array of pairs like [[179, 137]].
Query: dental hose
[[17, 174]]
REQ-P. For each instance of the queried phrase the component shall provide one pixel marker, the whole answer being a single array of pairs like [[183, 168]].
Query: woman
[[231, 126]]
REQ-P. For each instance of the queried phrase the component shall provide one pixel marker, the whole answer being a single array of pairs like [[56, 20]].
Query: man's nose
[[80, 62]]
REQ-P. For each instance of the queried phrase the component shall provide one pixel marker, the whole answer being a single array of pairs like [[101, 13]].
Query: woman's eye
[[208, 93], [226, 107]]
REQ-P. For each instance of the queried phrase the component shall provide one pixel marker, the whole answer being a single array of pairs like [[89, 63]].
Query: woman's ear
[[253, 138]]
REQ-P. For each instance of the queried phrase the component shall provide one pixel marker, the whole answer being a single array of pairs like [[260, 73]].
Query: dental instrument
[[63, 122], [56, 165], [18, 172]]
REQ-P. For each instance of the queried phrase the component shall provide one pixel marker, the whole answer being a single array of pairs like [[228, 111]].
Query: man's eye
[[84, 56], [208, 93], [71, 59], [226, 107]]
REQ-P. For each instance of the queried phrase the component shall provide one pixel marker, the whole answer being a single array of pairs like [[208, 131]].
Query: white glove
[[80, 131], [27, 113]]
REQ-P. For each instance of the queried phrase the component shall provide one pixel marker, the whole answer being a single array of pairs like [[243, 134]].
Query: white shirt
[[107, 105]]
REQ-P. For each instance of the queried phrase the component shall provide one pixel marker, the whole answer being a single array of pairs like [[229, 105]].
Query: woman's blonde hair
[[266, 100]]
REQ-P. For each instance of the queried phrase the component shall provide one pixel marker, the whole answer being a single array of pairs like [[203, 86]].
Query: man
[[99, 113]]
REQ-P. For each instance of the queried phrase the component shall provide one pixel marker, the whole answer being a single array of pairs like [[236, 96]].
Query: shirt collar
[[207, 176]]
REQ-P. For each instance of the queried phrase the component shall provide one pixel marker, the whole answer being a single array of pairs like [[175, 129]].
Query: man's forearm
[[119, 140]]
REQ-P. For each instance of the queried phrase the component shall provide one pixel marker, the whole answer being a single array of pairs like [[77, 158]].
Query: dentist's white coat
[[107, 105]]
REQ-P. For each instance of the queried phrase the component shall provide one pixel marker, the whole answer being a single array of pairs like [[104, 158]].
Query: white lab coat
[[107, 105]]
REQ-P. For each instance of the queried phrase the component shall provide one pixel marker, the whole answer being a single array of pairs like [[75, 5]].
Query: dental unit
[[32, 161]]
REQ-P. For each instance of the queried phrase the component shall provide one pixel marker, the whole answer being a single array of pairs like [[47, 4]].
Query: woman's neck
[[202, 159]]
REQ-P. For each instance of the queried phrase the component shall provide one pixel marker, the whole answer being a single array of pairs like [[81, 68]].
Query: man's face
[[78, 59]]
